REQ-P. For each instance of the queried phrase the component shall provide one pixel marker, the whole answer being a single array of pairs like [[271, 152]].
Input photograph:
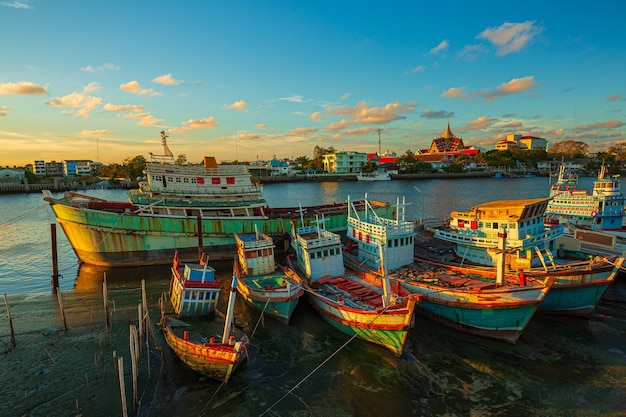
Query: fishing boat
[[261, 283], [194, 289], [188, 208], [602, 210], [467, 301], [214, 358], [378, 175], [378, 314], [516, 228]]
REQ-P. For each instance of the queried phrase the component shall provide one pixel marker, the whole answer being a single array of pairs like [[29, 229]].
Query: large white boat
[[378, 175], [184, 208], [602, 210]]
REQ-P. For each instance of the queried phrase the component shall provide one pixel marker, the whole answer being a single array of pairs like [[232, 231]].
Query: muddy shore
[[560, 366]]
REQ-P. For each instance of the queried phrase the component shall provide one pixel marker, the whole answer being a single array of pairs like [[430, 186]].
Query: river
[[559, 367]]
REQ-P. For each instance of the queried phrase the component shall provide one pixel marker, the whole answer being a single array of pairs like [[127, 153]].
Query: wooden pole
[[105, 297], [55, 259], [133, 362], [62, 309], [140, 322], [200, 245], [6, 303], [120, 368]]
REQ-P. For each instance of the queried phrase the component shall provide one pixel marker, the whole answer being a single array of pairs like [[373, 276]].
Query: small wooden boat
[[216, 359], [194, 289], [470, 302], [261, 284], [355, 307]]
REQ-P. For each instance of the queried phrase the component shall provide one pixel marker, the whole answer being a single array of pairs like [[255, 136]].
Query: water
[[25, 250], [560, 366]]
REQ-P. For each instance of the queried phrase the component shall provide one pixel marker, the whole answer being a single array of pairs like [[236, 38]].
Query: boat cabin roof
[[506, 209]]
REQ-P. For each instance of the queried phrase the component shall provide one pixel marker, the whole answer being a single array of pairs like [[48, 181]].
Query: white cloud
[[511, 37]]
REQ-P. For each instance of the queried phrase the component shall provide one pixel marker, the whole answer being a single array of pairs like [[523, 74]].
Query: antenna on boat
[[379, 131]]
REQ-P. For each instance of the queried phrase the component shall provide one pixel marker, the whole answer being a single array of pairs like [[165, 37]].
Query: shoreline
[[129, 185]]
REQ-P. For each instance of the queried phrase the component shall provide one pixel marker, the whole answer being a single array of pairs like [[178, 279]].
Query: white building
[[344, 162], [40, 168]]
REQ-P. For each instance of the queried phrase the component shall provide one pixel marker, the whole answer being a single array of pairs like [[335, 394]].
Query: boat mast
[[386, 286], [501, 256], [229, 312]]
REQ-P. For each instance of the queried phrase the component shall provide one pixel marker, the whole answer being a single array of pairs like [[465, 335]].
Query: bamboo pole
[[62, 309], [140, 322], [105, 298], [55, 259], [133, 361], [6, 303], [120, 367]]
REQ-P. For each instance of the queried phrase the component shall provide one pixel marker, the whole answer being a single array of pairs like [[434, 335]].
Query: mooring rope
[[260, 318], [21, 216], [321, 364]]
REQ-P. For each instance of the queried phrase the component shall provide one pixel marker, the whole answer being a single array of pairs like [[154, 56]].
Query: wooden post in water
[[6, 303], [105, 297], [62, 309], [55, 260], [120, 368], [200, 245]]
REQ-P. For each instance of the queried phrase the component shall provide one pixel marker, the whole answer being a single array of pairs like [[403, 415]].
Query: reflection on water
[[89, 278]]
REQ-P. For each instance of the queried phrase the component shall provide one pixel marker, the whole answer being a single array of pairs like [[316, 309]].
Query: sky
[[253, 80]]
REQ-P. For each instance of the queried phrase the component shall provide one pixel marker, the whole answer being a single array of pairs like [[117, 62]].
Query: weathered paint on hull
[[574, 300], [577, 294], [389, 329], [281, 304], [112, 239], [500, 314], [217, 362]]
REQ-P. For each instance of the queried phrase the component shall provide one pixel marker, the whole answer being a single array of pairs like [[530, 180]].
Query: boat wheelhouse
[[475, 235]]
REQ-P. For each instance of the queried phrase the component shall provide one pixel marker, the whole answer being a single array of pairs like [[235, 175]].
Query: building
[[54, 169], [40, 168], [528, 143], [447, 145], [78, 167], [344, 162], [276, 167], [11, 176]]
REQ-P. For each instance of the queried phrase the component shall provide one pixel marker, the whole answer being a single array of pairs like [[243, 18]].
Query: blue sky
[[249, 80]]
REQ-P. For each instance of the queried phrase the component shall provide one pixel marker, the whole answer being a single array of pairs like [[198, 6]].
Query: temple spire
[[448, 133]]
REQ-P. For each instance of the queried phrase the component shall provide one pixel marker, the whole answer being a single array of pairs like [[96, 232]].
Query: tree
[[570, 148], [618, 150], [135, 167], [369, 166], [303, 161], [181, 160], [318, 155]]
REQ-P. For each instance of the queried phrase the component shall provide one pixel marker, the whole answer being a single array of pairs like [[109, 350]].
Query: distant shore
[[129, 185]]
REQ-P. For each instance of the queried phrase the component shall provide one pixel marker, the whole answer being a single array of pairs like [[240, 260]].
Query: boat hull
[[578, 293], [385, 328], [277, 302], [498, 314], [104, 238], [216, 361]]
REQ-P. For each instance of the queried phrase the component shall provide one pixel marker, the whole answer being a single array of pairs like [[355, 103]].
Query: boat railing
[[385, 227], [222, 170]]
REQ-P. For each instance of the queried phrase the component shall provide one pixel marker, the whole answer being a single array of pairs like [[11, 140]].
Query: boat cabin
[[256, 253], [194, 290]]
